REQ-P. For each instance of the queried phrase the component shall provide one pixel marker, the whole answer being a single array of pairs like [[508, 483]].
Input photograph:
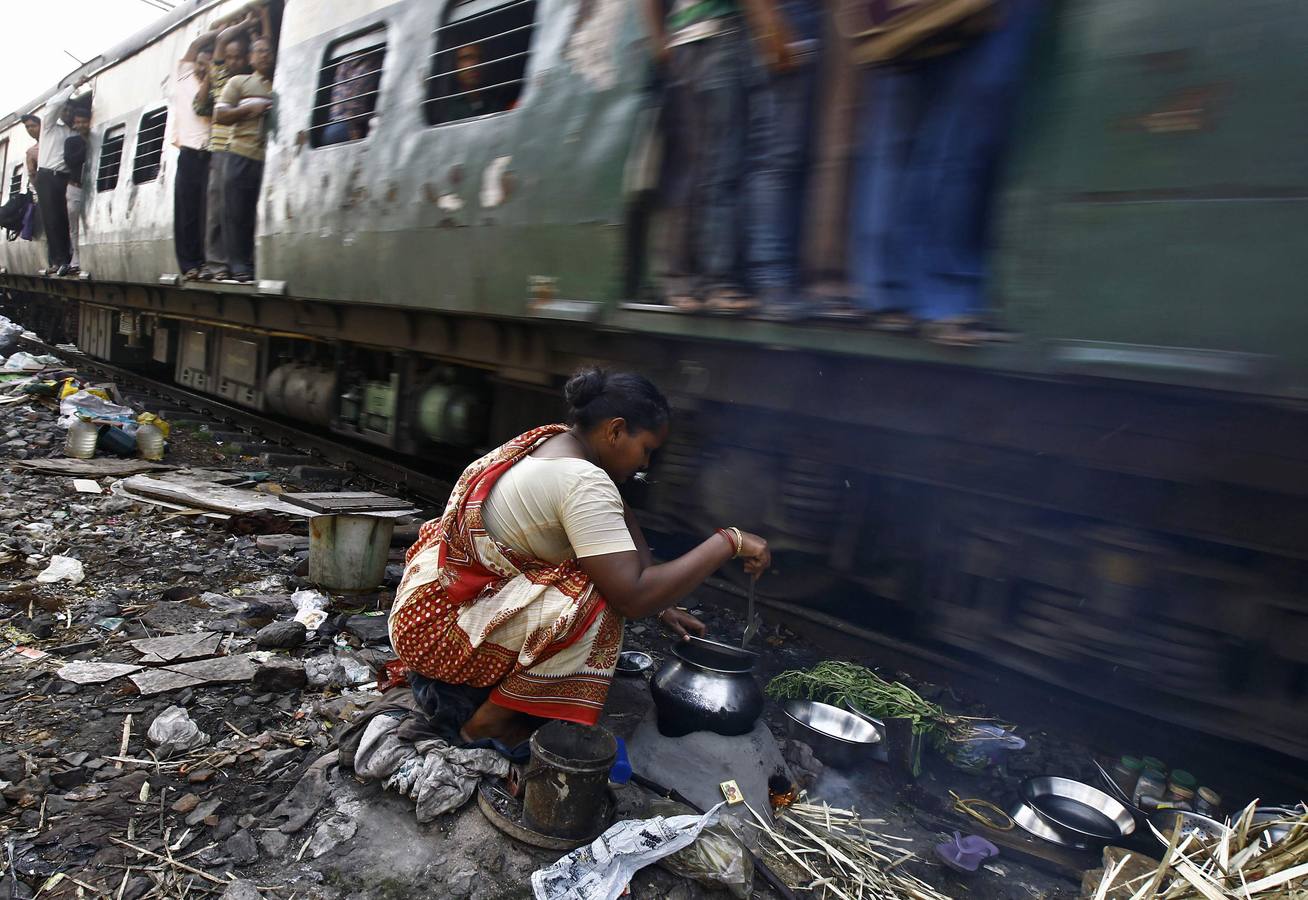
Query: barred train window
[[149, 146], [111, 158], [16, 180], [480, 63], [4, 158], [349, 84]]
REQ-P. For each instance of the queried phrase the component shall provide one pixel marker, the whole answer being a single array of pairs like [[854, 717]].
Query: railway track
[[1011, 695], [391, 474]]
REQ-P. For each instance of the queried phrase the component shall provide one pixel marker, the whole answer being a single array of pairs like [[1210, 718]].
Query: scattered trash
[[62, 568], [718, 858], [602, 869], [312, 608], [337, 670], [177, 647], [174, 733], [86, 486], [88, 672], [965, 853]]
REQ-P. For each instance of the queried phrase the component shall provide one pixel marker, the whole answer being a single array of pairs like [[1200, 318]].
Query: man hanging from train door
[[933, 128], [782, 98], [75, 150], [703, 48], [231, 57], [246, 105], [52, 179], [190, 132]]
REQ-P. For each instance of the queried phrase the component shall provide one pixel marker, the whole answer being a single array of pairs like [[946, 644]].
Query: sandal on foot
[[895, 322], [952, 333], [730, 302], [685, 302]]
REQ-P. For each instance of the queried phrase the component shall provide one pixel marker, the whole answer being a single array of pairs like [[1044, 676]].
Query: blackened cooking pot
[[707, 686]]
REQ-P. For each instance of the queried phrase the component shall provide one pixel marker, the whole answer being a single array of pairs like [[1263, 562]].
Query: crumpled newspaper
[[437, 776], [602, 869]]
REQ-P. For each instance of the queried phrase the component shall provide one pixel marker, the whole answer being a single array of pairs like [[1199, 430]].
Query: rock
[[199, 776], [280, 675], [241, 848], [242, 890], [203, 811], [225, 828], [15, 888], [283, 635], [186, 803], [274, 843]]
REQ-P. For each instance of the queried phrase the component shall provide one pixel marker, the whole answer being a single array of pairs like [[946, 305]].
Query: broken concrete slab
[[223, 669], [177, 647], [89, 672], [92, 468]]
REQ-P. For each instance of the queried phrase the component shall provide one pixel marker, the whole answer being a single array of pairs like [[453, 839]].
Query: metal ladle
[[751, 623]]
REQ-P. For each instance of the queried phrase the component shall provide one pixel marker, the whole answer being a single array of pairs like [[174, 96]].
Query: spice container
[[1208, 803], [1127, 773], [1153, 762], [1152, 785], [1180, 788]]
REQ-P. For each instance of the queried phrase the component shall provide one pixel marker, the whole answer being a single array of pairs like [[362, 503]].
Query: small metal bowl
[[634, 662], [838, 738], [1029, 821]]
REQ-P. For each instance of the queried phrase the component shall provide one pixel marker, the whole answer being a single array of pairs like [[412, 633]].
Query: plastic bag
[[717, 858], [88, 405], [336, 671], [172, 731], [22, 362], [311, 608], [602, 869], [62, 568]]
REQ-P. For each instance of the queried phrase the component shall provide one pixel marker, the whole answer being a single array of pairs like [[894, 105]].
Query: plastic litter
[[23, 362], [173, 732], [311, 608], [966, 853], [90, 405], [331, 670], [717, 858], [63, 568], [602, 869]]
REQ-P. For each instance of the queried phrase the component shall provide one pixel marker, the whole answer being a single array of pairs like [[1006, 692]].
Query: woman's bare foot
[[499, 723]]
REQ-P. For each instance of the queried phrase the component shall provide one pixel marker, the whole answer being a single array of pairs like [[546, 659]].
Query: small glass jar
[[1207, 802], [1153, 762], [1180, 787], [1127, 773], [1152, 784]]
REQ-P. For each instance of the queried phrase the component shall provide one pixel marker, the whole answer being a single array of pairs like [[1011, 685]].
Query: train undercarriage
[[1141, 545]]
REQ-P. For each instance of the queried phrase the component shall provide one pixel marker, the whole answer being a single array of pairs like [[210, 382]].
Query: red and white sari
[[473, 611]]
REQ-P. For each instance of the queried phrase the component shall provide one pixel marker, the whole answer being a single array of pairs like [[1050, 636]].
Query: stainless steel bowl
[[1083, 812], [881, 753], [838, 738], [1277, 820], [1029, 821], [633, 662]]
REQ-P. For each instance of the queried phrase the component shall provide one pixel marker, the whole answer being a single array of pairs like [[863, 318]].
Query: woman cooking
[[524, 583]]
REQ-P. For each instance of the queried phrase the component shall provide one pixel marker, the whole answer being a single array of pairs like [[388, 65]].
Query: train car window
[[149, 146], [480, 63], [111, 158], [349, 85], [4, 158], [16, 180]]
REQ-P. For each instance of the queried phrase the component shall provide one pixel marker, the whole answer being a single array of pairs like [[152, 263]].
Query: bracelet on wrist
[[735, 538]]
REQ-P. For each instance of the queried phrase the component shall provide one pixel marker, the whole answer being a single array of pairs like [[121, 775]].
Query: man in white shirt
[[52, 179], [191, 138]]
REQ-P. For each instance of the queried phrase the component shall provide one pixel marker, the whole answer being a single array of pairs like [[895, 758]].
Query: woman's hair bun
[[584, 387]]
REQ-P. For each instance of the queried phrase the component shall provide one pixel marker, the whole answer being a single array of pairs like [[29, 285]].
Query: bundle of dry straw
[[835, 853], [1244, 863]]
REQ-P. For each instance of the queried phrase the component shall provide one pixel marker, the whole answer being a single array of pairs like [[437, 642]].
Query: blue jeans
[[928, 154], [705, 126], [779, 144]]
